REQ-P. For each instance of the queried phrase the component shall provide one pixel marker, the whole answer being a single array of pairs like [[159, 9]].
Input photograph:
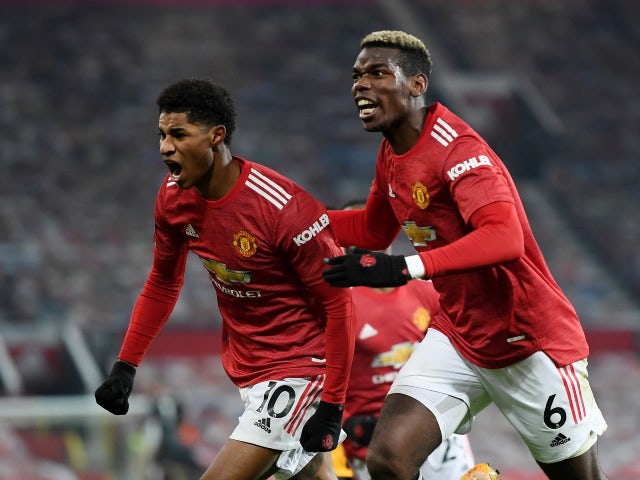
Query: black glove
[[360, 429], [113, 394], [364, 267], [322, 431]]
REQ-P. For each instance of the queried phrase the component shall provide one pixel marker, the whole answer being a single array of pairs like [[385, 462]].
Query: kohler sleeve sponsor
[[312, 231], [463, 167]]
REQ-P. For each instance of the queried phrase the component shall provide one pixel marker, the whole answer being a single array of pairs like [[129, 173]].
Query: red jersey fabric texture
[[387, 328], [500, 303], [263, 246]]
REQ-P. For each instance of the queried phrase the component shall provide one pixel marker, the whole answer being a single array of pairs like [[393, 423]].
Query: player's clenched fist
[[113, 394], [321, 433]]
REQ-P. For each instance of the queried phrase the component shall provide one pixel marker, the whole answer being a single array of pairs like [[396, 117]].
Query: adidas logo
[[443, 132], [265, 424], [559, 440], [191, 232]]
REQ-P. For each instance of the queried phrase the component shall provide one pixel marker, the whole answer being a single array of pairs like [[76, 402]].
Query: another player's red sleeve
[[375, 227], [497, 238]]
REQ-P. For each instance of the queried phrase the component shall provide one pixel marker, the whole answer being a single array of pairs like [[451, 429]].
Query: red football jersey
[[263, 246], [387, 328], [494, 315]]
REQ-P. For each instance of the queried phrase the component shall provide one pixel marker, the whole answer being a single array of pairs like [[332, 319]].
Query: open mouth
[[174, 168], [366, 107]]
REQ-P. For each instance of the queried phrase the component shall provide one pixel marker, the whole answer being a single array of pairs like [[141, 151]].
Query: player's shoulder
[[270, 185], [260, 171], [446, 129]]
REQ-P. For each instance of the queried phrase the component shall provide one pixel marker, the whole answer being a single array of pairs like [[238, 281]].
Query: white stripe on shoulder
[[443, 132], [268, 189]]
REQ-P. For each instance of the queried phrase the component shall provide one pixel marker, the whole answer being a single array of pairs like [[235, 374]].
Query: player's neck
[[403, 136], [223, 175]]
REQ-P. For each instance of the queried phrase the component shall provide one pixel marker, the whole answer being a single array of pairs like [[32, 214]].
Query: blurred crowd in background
[[553, 86], [79, 158]]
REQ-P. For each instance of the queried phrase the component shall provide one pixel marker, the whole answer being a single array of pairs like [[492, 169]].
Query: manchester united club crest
[[244, 243], [422, 319], [420, 195]]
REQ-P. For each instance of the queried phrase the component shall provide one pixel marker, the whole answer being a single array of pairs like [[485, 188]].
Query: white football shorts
[[274, 413], [553, 409]]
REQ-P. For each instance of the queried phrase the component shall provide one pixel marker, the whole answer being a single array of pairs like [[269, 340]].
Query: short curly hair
[[205, 103], [413, 58]]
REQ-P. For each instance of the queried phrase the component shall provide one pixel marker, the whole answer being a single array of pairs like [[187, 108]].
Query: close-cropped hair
[[205, 103], [413, 55]]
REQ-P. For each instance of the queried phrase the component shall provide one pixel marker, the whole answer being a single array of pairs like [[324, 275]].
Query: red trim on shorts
[[574, 392], [310, 394]]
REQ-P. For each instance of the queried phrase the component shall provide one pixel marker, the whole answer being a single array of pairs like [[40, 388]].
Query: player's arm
[[153, 306], [339, 340], [161, 289], [151, 311], [375, 227], [334, 305], [496, 237], [322, 431]]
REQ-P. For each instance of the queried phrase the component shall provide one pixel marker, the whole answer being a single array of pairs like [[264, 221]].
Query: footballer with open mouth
[[382, 92], [189, 150]]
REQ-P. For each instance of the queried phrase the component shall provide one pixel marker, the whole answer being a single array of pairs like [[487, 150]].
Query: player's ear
[[419, 84], [217, 133]]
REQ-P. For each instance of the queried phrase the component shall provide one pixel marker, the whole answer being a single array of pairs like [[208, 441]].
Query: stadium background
[[552, 85]]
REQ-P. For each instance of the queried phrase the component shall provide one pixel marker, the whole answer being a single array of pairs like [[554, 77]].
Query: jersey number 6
[[550, 412]]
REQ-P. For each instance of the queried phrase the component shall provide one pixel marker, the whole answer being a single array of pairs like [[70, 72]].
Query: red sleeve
[[155, 303], [497, 237], [364, 228], [333, 304], [339, 340]]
